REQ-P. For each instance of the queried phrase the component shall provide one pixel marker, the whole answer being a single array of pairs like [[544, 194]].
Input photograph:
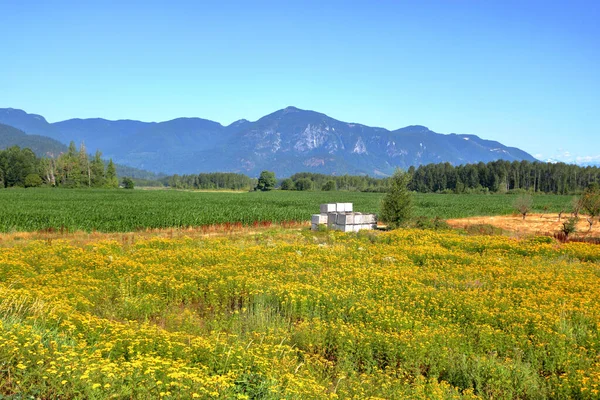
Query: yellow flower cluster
[[300, 315]]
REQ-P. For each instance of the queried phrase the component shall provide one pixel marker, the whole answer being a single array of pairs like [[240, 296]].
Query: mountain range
[[287, 141]]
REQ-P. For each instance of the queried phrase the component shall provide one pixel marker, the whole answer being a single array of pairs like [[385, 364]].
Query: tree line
[[210, 181], [72, 169], [503, 176], [496, 176], [492, 177], [75, 168]]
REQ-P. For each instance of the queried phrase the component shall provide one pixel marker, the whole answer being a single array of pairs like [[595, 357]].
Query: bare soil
[[534, 224]]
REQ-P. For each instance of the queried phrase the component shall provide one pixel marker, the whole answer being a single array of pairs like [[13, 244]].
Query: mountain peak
[[286, 141]]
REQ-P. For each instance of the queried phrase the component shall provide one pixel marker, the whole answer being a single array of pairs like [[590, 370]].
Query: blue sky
[[525, 73]]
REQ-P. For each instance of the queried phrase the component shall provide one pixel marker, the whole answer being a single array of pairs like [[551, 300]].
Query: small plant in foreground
[[569, 226]]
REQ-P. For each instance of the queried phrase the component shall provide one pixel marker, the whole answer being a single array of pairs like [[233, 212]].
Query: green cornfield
[[131, 210]]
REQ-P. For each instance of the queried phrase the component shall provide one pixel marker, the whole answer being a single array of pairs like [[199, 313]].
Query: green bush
[[128, 183], [33, 180]]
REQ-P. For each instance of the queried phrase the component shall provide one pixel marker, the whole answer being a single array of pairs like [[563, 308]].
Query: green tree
[[97, 170], [111, 175], [83, 165], [266, 181], [304, 184], [329, 186], [16, 164], [396, 207], [287, 184], [128, 183], [33, 180]]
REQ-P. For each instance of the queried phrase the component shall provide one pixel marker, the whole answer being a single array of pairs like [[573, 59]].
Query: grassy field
[[122, 210], [301, 315]]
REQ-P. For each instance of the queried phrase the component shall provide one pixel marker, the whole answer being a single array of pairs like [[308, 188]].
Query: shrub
[[569, 226], [33, 180], [128, 183]]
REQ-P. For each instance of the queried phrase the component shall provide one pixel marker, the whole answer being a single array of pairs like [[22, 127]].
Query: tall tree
[[111, 175], [84, 167], [97, 170]]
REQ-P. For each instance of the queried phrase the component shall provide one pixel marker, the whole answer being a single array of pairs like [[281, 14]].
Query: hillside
[[287, 141], [44, 146]]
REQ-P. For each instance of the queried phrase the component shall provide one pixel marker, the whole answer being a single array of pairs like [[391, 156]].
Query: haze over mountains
[[287, 141]]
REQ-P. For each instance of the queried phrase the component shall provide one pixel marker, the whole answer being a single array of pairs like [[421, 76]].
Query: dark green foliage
[[16, 164], [344, 182], [287, 184], [266, 181], [304, 184], [112, 182], [329, 186], [33, 180], [128, 183], [212, 181], [396, 207], [502, 176]]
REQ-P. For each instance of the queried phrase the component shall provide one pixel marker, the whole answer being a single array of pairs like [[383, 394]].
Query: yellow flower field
[[300, 315]]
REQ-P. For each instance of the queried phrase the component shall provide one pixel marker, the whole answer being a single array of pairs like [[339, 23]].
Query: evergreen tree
[[85, 178], [97, 171], [396, 208], [111, 175]]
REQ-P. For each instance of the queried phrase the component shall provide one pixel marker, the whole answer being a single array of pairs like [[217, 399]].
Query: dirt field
[[534, 224]]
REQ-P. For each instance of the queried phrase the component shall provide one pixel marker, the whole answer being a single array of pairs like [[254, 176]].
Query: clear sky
[[526, 73]]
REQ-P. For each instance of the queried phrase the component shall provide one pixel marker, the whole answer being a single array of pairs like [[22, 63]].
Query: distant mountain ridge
[[287, 141], [44, 146]]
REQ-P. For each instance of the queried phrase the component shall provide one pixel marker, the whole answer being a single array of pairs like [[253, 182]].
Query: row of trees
[[502, 176], [496, 176], [211, 181], [312, 181], [74, 168]]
